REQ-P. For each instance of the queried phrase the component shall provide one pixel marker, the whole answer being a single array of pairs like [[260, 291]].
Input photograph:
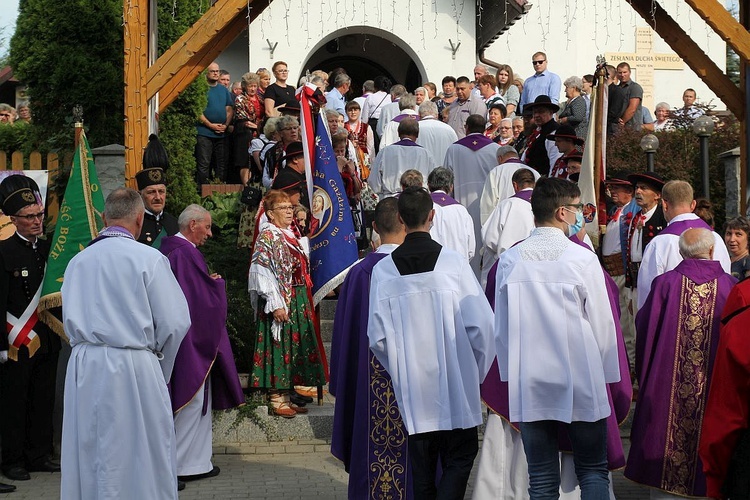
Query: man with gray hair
[[204, 376], [499, 183], [434, 135], [391, 110], [677, 337], [367, 88], [662, 252], [399, 157], [335, 98], [406, 104], [118, 433], [452, 226]]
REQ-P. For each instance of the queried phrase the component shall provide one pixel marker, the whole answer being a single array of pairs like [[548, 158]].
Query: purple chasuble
[[475, 142], [495, 392], [679, 227], [524, 195], [206, 346], [369, 436], [677, 336], [443, 199]]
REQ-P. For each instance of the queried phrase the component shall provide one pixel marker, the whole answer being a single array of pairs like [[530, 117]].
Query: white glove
[[3, 357]]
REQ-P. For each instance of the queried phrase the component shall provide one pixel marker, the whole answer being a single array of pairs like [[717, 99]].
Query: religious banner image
[[40, 177], [333, 244]]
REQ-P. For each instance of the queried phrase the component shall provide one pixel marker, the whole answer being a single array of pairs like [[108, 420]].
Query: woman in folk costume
[[288, 349]]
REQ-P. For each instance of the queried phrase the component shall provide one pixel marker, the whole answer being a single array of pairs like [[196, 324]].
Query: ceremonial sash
[[21, 330]]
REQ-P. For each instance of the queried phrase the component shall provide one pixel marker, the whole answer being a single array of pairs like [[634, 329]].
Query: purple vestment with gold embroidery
[[677, 335], [369, 436]]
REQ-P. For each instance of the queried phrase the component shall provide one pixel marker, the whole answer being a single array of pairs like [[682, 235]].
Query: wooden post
[[136, 16]]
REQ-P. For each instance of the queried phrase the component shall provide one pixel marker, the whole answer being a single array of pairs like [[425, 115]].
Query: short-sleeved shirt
[[281, 95], [219, 98], [631, 90]]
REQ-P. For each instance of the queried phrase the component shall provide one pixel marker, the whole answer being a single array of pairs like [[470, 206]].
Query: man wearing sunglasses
[[542, 82], [29, 348]]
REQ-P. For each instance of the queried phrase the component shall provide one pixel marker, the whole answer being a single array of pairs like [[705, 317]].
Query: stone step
[[327, 308], [326, 329]]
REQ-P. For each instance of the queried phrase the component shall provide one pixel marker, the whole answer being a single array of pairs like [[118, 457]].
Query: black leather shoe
[[306, 399], [16, 473], [298, 400], [46, 466], [181, 485], [7, 488], [212, 473]]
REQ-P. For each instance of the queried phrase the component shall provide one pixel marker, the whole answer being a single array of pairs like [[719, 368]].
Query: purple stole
[[443, 199], [406, 142], [369, 436], [404, 116], [494, 391], [524, 195], [681, 226], [475, 142]]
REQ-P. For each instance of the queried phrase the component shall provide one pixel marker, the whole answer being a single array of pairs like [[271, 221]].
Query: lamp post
[[649, 145], [703, 127]]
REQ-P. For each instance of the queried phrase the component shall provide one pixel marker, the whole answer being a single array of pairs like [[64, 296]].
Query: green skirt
[[295, 359]]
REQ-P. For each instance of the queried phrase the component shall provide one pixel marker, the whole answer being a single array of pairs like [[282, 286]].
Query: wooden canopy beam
[[719, 83], [135, 15], [724, 24]]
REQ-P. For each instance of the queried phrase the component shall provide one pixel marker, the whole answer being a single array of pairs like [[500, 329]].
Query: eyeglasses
[[214, 71], [506, 128], [282, 71], [578, 207], [536, 63], [284, 208], [4, 114], [31, 217]]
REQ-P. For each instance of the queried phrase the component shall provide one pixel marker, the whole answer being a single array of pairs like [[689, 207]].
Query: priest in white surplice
[[558, 360], [499, 183], [436, 358], [435, 136], [126, 316], [471, 159], [452, 225], [510, 222], [397, 158], [406, 105]]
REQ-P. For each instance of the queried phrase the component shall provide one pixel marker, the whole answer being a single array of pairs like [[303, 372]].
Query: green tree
[[72, 54], [177, 122]]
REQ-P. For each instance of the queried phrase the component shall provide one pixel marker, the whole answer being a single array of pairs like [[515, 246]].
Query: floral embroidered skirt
[[295, 359]]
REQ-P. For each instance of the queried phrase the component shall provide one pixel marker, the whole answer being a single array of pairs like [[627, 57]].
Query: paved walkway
[[293, 470]]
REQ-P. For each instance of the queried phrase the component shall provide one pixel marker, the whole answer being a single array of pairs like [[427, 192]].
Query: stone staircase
[[239, 429]]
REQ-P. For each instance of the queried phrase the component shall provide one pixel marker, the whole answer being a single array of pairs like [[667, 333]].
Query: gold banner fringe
[[48, 302], [13, 353]]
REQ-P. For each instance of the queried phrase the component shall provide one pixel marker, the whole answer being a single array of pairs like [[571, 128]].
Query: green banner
[[78, 222]]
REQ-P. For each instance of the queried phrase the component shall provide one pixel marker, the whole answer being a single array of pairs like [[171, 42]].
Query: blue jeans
[[206, 149], [589, 441]]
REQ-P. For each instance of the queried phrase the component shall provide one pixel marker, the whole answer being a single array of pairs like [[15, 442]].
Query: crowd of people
[[467, 210]]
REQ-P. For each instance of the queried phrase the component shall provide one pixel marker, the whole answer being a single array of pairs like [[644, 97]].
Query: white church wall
[[573, 33], [422, 28]]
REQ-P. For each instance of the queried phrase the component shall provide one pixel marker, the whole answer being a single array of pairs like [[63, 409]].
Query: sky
[[8, 15]]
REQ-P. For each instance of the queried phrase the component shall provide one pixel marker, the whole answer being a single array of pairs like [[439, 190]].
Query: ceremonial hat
[[288, 180], [566, 132], [620, 179], [155, 163], [653, 179], [575, 156], [543, 101], [18, 191], [292, 150]]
